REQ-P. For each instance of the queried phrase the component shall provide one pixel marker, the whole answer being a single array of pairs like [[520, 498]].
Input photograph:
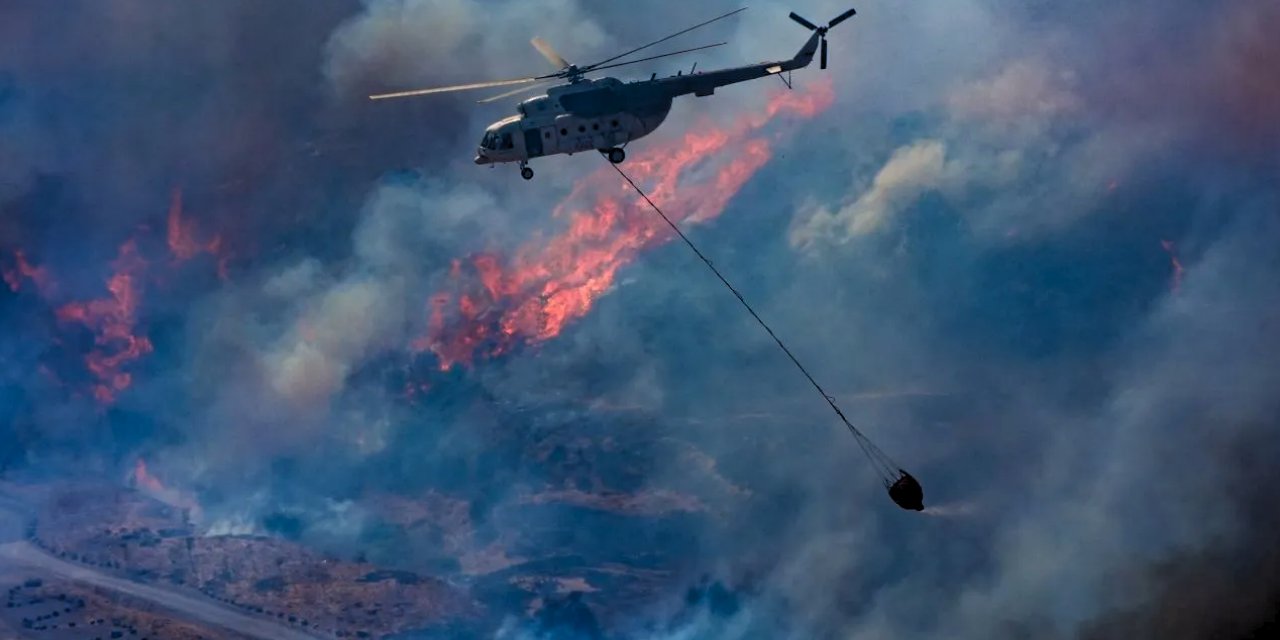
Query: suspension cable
[[884, 465]]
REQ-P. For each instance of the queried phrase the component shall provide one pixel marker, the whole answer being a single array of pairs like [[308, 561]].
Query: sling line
[[883, 464]]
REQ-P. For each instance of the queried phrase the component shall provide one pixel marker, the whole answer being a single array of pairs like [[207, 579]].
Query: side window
[[506, 141]]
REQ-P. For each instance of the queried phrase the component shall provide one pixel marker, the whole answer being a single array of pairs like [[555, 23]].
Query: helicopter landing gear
[[525, 171], [616, 155]]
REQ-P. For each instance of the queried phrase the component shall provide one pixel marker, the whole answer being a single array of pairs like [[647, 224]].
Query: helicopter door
[[533, 142]]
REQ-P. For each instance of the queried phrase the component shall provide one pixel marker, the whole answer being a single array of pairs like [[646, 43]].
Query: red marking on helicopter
[[531, 296], [112, 320]]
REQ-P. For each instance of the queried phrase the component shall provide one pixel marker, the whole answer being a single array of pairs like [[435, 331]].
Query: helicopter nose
[[480, 159]]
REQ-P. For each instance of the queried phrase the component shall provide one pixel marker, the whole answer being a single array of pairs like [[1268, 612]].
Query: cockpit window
[[497, 141]]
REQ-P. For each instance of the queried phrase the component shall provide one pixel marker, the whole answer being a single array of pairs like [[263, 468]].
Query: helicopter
[[604, 114]]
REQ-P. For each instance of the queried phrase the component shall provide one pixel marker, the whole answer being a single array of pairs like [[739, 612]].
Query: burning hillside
[[529, 297], [115, 320], [185, 241]]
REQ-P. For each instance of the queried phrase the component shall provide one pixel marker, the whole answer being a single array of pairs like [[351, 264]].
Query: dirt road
[[195, 608]]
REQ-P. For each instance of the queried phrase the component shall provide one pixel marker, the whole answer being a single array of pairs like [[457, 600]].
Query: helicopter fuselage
[[583, 116], [605, 113]]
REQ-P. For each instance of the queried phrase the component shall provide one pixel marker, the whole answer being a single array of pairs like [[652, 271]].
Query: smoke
[[1028, 248], [406, 43], [910, 171], [1026, 89]]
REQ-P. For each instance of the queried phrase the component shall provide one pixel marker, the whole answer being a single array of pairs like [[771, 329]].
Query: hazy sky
[[1030, 247]]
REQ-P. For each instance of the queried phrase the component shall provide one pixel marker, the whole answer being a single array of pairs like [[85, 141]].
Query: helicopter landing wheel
[[526, 173], [617, 155]]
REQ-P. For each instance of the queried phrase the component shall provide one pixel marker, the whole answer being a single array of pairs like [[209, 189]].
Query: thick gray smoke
[[1029, 249]]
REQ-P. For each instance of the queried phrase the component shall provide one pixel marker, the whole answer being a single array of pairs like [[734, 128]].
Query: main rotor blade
[[623, 55], [841, 18], [456, 87], [673, 53], [550, 54], [811, 26], [516, 91]]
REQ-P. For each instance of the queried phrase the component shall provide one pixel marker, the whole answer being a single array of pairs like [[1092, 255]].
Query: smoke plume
[[1028, 248]]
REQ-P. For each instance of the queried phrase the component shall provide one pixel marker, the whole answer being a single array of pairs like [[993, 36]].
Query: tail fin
[[805, 55], [819, 37]]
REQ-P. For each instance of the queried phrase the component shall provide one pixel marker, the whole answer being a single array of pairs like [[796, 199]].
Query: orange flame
[[548, 284], [1176, 280], [147, 483], [414, 389], [181, 236], [23, 270], [145, 480], [112, 321]]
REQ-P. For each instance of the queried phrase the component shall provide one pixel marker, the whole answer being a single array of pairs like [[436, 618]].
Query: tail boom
[[705, 83]]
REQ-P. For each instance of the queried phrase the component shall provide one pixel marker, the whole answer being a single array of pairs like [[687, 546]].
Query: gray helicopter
[[604, 114]]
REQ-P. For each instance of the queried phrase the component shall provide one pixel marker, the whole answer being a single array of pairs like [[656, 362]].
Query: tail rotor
[[822, 31]]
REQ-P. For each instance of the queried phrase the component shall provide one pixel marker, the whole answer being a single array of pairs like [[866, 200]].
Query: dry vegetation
[[126, 532]]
